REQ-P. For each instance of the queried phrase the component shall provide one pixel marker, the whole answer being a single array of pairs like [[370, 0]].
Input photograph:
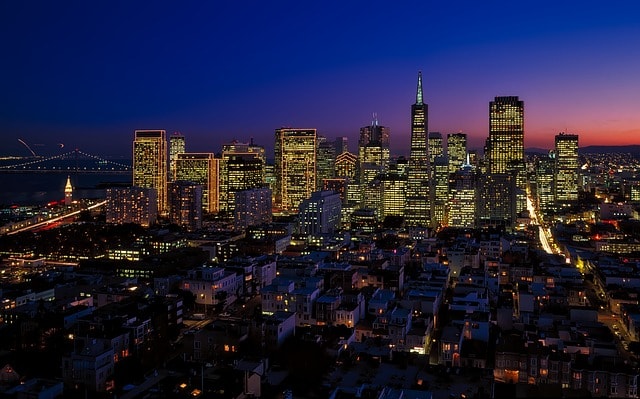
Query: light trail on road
[[544, 241], [57, 218]]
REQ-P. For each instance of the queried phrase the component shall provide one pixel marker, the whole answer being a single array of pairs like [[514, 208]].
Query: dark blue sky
[[87, 74]]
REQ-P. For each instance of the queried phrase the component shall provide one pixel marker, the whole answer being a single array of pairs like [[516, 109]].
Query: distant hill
[[533, 150], [610, 149]]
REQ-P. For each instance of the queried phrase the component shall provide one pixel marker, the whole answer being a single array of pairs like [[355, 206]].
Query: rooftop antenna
[[375, 119]]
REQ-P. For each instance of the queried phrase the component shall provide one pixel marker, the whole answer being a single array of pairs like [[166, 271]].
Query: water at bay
[[41, 188], [37, 188]]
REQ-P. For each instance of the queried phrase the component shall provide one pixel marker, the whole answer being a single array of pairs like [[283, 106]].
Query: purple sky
[[87, 74]]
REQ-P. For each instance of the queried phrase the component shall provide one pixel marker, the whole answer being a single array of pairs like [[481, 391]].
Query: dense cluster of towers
[[441, 183]]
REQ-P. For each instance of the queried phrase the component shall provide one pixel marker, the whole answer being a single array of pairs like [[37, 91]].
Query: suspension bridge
[[76, 162]]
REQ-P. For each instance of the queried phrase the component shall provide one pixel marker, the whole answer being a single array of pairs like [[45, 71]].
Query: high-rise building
[[440, 191], [506, 134], [417, 210], [202, 169], [341, 144], [373, 151], [496, 204], [295, 164], [177, 145], [436, 149], [505, 145], [252, 208], [242, 167], [462, 206], [131, 205], [393, 198], [545, 192], [320, 213], [150, 163], [347, 168], [185, 204], [326, 161], [456, 151], [566, 169]]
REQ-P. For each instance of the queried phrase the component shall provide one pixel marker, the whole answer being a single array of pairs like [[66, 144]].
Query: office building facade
[[295, 166], [131, 205], [177, 145], [202, 169], [566, 169], [185, 204], [242, 167], [150, 163]]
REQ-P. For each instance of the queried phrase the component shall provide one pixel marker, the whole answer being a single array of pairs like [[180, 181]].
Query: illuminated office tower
[[462, 211], [295, 160], [545, 193], [326, 160], [185, 204], [202, 169], [242, 167], [393, 196], [373, 151], [150, 163], [506, 144], [456, 151], [177, 146], [320, 213], [440, 198], [436, 149], [253, 207], [417, 210], [131, 205], [347, 167], [372, 196], [566, 169]]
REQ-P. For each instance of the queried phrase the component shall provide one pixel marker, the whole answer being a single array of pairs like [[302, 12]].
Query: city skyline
[[77, 71]]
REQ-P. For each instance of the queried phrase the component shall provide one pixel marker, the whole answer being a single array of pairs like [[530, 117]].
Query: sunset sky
[[86, 74]]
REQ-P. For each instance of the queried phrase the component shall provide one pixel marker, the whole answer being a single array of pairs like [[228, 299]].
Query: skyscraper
[[131, 205], [373, 151], [150, 163], [253, 207], [545, 192], [242, 167], [326, 161], [185, 204], [456, 151], [440, 191], [417, 211], [202, 169], [566, 169], [462, 205], [505, 147], [295, 164], [347, 168], [341, 144], [177, 146], [506, 134]]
